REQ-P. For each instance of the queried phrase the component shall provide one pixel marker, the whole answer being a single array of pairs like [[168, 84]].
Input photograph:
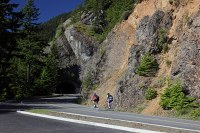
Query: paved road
[[65, 106], [12, 122], [155, 120]]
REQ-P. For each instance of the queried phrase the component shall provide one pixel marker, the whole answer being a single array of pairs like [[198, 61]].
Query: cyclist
[[95, 99], [109, 100]]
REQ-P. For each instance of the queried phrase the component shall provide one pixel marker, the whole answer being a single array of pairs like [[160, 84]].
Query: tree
[[148, 66], [31, 14], [9, 26], [28, 69], [30, 59], [174, 97], [48, 79]]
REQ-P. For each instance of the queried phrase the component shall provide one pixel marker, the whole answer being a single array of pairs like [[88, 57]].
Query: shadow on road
[[9, 108], [70, 98], [36, 103]]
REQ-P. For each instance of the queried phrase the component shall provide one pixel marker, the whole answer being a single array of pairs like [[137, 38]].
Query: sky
[[50, 8]]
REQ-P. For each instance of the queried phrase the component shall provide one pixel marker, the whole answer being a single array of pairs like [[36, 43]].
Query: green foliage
[[168, 63], [150, 94], [107, 13], [148, 66], [84, 29], [87, 81], [48, 29], [30, 71], [160, 82], [10, 22], [162, 40], [18, 82], [48, 78], [171, 2], [183, 113], [76, 14], [195, 114], [59, 31], [174, 98], [31, 14], [125, 15], [139, 108], [3, 95], [102, 51], [39, 111]]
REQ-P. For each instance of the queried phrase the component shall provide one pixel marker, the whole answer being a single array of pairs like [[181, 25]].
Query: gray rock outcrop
[[66, 55], [147, 31], [82, 47], [186, 66], [131, 90]]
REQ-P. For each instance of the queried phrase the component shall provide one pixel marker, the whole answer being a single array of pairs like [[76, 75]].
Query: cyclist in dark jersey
[[95, 99], [109, 100]]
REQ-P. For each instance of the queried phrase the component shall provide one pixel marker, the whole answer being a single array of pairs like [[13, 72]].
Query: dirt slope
[[124, 37]]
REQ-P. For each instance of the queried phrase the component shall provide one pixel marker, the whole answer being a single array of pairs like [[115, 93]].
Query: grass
[[139, 108], [182, 114], [160, 82], [89, 31], [40, 111], [79, 101]]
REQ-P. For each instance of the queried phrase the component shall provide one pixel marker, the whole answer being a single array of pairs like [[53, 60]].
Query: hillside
[[164, 31], [49, 27]]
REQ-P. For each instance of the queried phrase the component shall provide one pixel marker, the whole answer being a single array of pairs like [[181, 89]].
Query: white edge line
[[90, 123], [129, 121]]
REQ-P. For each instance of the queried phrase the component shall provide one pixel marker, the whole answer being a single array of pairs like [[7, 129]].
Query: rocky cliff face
[[133, 86], [113, 62], [186, 65], [183, 40]]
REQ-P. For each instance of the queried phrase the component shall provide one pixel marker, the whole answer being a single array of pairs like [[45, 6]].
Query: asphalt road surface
[[62, 104], [12, 122], [154, 120]]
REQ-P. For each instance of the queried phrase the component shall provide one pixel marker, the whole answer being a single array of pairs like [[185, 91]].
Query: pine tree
[[148, 66], [9, 25], [30, 54], [48, 79]]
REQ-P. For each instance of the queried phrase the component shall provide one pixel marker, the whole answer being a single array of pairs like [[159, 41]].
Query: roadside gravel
[[116, 122]]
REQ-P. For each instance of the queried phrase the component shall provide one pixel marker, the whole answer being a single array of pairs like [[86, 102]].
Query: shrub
[[150, 94], [87, 81], [174, 98], [108, 13], [183, 112], [84, 29], [125, 15], [3, 95], [171, 2], [195, 113], [162, 40], [59, 31], [168, 63], [148, 66], [160, 82]]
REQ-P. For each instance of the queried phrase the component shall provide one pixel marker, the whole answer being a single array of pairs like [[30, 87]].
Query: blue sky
[[50, 8]]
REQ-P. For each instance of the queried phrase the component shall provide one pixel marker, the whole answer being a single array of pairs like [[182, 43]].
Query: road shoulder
[[104, 122]]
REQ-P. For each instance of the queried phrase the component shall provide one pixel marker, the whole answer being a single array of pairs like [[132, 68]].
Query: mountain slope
[[169, 31]]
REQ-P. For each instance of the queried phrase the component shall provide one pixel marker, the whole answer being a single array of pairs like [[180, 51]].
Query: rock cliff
[[113, 62]]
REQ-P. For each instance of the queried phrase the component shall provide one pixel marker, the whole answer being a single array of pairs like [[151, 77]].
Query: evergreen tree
[[148, 66], [47, 81], [9, 25], [30, 54]]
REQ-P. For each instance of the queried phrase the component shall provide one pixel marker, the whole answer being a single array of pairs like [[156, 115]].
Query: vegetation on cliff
[[106, 14], [148, 66], [174, 98], [49, 28]]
